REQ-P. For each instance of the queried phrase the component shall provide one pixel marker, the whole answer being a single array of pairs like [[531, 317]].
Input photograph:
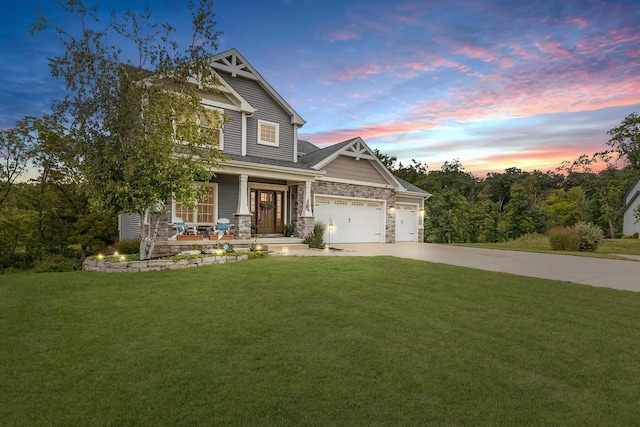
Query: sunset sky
[[494, 84]]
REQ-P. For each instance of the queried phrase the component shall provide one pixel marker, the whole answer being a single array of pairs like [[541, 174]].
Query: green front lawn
[[539, 243], [316, 341]]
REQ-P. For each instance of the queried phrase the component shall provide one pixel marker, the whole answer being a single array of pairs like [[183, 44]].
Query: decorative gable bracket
[[233, 64], [358, 150]]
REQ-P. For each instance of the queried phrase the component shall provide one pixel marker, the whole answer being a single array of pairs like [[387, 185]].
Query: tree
[[522, 214], [137, 126], [605, 189], [15, 151], [566, 207], [387, 160], [625, 140]]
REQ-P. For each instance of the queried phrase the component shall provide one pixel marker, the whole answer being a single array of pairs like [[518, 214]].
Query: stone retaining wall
[[157, 264]]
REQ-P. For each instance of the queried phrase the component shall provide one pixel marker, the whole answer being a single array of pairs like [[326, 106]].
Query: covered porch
[[170, 247]]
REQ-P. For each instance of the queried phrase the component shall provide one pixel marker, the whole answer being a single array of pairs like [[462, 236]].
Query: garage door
[[406, 223], [354, 220]]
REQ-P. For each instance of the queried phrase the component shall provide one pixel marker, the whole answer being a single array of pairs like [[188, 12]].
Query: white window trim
[[215, 208], [271, 144], [220, 129]]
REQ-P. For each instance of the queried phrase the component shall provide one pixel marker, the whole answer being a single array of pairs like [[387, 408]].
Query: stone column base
[[304, 226], [243, 227]]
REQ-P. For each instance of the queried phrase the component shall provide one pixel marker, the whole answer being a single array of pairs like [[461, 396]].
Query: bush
[[57, 263], [590, 235], [564, 239], [257, 254], [620, 236], [127, 247], [315, 240], [288, 229]]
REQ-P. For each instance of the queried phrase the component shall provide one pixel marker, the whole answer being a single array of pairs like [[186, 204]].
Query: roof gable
[[355, 148], [232, 62], [632, 188]]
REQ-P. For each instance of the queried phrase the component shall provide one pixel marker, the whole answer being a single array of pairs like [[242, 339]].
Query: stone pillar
[[243, 216], [305, 221], [304, 227], [243, 227], [307, 207], [390, 235]]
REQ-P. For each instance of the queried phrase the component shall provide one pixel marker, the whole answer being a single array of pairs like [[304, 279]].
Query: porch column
[[304, 225], [243, 195], [243, 216], [306, 209]]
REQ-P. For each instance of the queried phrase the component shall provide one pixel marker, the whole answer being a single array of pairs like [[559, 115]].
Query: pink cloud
[[578, 22], [364, 70], [342, 35], [366, 132], [554, 48], [476, 53], [543, 160]]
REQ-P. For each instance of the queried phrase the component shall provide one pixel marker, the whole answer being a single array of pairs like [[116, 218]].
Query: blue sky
[[494, 84]]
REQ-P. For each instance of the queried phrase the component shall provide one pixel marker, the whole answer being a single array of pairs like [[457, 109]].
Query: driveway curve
[[607, 273]]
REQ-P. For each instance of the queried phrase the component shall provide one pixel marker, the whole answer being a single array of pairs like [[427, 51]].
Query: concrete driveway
[[607, 273]]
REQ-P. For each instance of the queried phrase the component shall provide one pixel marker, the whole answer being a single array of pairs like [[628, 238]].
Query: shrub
[[315, 240], [57, 263], [288, 229], [620, 236], [127, 247], [590, 235], [257, 254], [564, 239]]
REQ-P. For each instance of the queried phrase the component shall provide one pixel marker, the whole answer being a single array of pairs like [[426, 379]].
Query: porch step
[[281, 247]]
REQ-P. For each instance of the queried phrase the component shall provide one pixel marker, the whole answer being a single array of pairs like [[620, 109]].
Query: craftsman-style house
[[272, 178]]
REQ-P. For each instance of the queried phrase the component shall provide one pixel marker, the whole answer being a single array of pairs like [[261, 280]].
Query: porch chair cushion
[[223, 225]]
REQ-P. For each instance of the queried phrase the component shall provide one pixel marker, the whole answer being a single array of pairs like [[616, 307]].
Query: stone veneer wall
[[156, 264], [243, 226], [165, 228], [303, 226], [362, 191]]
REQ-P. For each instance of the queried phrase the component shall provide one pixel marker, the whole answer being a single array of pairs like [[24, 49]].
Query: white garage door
[[354, 220], [406, 223]]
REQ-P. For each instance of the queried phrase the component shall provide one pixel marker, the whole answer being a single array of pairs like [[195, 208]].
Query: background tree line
[[506, 205]]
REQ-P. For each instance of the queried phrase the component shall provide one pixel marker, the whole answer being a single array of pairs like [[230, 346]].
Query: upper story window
[[207, 128], [268, 133]]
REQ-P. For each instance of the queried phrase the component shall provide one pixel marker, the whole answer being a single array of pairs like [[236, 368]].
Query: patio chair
[[222, 225], [180, 227]]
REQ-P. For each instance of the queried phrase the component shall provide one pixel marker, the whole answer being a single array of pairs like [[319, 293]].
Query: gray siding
[[345, 167], [129, 227], [227, 196], [233, 133], [212, 96], [267, 109], [406, 199]]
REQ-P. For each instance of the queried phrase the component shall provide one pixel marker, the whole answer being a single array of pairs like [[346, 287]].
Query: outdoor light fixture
[[284, 251], [392, 208], [331, 227], [258, 247]]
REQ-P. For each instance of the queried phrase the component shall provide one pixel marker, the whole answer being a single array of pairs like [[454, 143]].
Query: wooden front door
[[267, 210]]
